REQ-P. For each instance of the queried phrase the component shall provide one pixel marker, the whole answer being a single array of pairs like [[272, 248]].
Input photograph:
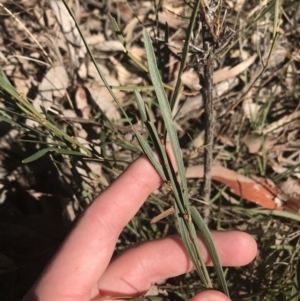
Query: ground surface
[[256, 133]]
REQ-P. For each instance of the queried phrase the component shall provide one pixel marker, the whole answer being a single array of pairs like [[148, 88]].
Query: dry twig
[[210, 37]]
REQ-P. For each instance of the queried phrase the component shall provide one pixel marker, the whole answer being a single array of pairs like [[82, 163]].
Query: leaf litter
[[256, 154]]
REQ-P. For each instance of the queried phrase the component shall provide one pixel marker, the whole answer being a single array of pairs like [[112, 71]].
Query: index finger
[[87, 251]]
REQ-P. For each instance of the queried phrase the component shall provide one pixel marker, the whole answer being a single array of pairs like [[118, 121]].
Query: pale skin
[[82, 269]]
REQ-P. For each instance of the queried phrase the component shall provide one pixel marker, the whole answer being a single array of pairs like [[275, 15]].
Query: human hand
[[81, 270]]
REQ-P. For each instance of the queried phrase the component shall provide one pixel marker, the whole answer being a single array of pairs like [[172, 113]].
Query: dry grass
[[258, 137]]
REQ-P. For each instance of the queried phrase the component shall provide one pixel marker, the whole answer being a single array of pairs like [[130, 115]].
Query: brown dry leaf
[[95, 41], [238, 5], [190, 78], [223, 87], [51, 20], [193, 103], [54, 83], [92, 71], [138, 52], [129, 29], [254, 143], [69, 30], [277, 125], [176, 8], [125, 76], [152, 291], [93, 22], [199, 140], [162, 215], [291, 188], [109, 46], [263, 3], [53, 86], [167, 17], [225, 73], [244, 187], [278, 56], [290, 78], [96, 168], [251, 109], [103, 98], [27, 3], [82, 103], [225, 140], [21, 82]]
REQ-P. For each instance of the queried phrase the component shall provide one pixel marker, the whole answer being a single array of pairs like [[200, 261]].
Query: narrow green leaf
[[264, 11], [116, 29], [149, 153], [122, 40], [285, 214], [197, 219], [186, 228], [147, 298], [295, 292], [132, 88], [141, 105], [297, 276], [159, 147], [8, 120], [276, 15], [166, 56], [4, 80], [28, 109], [171, 175], [189, 246], [185, 51], [44, 151], [166, 113]]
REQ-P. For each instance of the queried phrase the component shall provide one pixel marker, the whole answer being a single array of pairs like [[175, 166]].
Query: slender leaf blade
[[46, 150], [150, 155], [141, 105], [198, 220], [166, 112]]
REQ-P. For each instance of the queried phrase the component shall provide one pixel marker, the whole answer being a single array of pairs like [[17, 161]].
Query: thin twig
[[209, 42], [209, 123], [214, 40]]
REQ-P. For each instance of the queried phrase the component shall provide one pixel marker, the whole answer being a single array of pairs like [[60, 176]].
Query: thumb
[[210, 295]]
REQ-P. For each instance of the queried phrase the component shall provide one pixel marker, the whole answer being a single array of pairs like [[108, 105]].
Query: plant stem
[[209, 120]]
